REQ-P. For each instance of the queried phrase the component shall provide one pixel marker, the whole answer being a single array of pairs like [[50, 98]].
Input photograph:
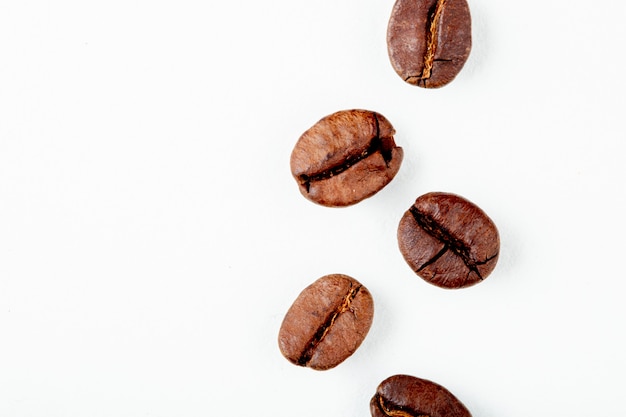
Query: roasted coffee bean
[[327, 322], [429, 40], [345, 157], [408, 396], [448, 241]]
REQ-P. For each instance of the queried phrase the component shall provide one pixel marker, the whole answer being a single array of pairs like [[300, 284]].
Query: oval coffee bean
[[408, 396], [345, 157], [448, 241], [327, 322], [429, 40]]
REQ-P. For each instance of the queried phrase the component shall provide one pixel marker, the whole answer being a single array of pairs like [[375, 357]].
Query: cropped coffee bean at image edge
[[409, 396], [429, 41]]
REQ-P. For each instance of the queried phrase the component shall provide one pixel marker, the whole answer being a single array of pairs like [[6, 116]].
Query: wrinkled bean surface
[[345, 157], [448, 241]]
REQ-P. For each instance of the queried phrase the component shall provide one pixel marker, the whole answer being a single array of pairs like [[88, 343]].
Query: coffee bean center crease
[[432, 39], [457, 246], [433, 23], [396, 412], [328, 323]]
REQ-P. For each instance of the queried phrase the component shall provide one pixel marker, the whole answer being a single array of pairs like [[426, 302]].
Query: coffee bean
[[327, 322], [408, 396], [345, 157], [448, 241], [429, 40]]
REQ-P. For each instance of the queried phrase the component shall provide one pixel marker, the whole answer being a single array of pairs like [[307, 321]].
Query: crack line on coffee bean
[[323, 330], [377, 144], [386, 144], [395, 412], [457, 246], [418, 78], [434, 258], [489, 259], [431, 45]]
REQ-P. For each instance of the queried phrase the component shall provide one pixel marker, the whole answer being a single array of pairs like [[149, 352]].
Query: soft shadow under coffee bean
[[345, 157], [327, 322], [448, 241], [429, 40], [408, 396]]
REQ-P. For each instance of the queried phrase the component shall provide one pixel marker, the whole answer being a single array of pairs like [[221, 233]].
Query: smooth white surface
[[152, 238]]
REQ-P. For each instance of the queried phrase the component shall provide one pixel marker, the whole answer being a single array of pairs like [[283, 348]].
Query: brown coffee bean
[[448, 241], [327, 322], [345, 157], [408, 396], [429, 40]]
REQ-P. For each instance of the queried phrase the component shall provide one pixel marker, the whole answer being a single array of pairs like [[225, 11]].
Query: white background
[[152, 237]]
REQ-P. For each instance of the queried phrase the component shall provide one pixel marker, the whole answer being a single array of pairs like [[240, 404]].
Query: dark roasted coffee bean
[[408, 396], [429, 40], [448, 241], [345, 157], [327, 322]]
